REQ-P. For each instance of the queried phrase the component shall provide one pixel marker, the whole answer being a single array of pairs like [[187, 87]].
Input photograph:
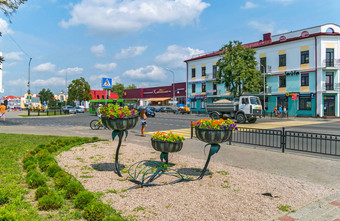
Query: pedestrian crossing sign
[[106, 82]]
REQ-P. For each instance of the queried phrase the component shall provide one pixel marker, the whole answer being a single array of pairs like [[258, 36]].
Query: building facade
[[101, 94], [301, 71], [158, 96]]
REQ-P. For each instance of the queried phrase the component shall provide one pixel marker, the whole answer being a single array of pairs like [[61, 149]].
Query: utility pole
[[173, 86], [29, 86]]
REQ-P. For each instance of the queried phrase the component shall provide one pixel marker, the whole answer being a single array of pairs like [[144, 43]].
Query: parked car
[[167, 109], [80, 109], [158, 109], [152, 108], [149, 112], [69, 109]]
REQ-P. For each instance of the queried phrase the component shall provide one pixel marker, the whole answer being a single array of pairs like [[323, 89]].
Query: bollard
[[283, 141], [192, 130], [38, 112], [55, 112]]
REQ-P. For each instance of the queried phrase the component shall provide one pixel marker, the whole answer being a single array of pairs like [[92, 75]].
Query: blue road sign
[[106, 82]]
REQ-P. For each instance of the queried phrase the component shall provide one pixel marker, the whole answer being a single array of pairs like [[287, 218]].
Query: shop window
[[193, 72], [263, 65], [305, 103], [202, 104], [304, 57], [193, 105], [203, 87], [193, 88], [204, 71], [305, 79], [282, 81], [214, 88], [214, 71], [282, 60]]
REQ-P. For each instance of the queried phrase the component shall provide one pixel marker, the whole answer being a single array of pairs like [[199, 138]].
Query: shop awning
[[158, 99]]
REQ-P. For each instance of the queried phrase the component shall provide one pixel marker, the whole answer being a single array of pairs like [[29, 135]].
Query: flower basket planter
[[120, 124], [212, 136], [166, 146]]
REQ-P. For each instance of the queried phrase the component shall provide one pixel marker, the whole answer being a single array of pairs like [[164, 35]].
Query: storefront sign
[[211, 91], [292, 73], [329, 98], [294, 97], [291, 94], [158, 91]]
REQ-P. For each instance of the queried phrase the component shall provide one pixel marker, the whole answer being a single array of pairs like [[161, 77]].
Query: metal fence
[[328, 144]]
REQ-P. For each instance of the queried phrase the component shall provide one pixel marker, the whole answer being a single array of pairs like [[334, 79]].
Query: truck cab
[[249, 109]]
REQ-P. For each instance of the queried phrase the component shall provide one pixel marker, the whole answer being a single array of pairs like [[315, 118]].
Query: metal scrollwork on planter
[[166, 147], [119, 127], [213, 138]]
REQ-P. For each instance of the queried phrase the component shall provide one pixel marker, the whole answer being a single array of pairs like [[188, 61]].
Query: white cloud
[[175, 55], [249, 5], [15, 55], [98, 50], [54, 81], [148, 73], [127, 16], [106, 67], [131, 52], [45, 67], [262, 27], [71, 71], [18, 82], [4, 27]]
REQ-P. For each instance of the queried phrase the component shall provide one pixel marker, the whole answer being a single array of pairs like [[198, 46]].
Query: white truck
[[244, 108]]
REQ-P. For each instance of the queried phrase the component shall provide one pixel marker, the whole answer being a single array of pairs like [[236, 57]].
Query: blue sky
[[134, 41]]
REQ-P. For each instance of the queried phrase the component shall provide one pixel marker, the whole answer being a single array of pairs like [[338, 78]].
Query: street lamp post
[[264, 88], [29, 84], [173, 85]]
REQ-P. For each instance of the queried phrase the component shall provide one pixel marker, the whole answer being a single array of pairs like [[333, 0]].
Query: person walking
[[143, 117], [3, 111], [281, 111], [285, 111], [275, 111]]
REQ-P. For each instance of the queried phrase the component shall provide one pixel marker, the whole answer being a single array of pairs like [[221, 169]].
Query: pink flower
[[122, 115], [111, 116]]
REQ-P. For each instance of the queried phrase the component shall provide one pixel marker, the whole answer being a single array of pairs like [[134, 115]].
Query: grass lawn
[[16, 201]]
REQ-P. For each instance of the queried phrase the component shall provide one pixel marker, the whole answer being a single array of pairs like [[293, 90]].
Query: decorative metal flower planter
[[213, 138], [166, 147], [119, 127]]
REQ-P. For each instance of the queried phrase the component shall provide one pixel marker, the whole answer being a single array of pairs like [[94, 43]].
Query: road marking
[[186, 132]]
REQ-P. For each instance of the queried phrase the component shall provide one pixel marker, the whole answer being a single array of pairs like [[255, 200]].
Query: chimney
[[267, 36]]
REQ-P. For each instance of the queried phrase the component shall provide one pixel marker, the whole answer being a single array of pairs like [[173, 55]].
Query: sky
[[140, 42]]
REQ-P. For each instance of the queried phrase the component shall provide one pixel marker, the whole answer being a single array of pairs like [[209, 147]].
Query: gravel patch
[[225, 192]]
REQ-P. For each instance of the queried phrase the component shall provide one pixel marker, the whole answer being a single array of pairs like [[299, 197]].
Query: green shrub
[[31, 167], [35, 179], [60, 174], [53, 169], [94, 139], [45, 164], [95, 211], [72, 189], [7, 215], [86, 139], [3, 198], [50, 202], [114, 218], [62, 182], [82, 199], [29, 157], [29, 163], [52, 148], [42, 191], [42, 154]]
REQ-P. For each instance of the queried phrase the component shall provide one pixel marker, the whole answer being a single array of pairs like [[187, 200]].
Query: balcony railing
[[210, 76], [331, 63], [331, 87]]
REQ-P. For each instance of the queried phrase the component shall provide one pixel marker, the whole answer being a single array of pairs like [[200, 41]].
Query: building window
[[193, 88], [203, 87], [329, 57], [214, 88], [282, 60], [193, 105], [202, 104], [263, 65], [282, 81], [304, 57], [193, 72], [204, 73], [305, 103], [214, 71], [305, 79], [329, 81]]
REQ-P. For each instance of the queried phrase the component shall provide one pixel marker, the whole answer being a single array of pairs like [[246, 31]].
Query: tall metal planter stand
[[119, 127]]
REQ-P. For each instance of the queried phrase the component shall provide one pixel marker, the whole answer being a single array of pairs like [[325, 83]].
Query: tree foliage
[[8, 7], [79, 90], [46, 95], [237, 69], [119, 88]]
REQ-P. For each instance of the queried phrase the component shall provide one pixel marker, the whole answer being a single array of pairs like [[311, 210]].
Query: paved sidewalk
[[317, 169]]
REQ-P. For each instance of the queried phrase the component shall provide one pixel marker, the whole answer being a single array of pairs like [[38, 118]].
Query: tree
[[237, 69], [79, 90], [119, 88], [46, 95], [8, 7]]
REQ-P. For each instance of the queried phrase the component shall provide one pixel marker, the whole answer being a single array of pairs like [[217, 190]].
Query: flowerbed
[[214, 124]]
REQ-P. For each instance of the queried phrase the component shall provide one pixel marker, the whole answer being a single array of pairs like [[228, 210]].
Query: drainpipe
[[316, 78]]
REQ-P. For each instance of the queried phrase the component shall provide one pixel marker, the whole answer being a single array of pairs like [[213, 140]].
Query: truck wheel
[[252, 120], [241, 118], [215, 116]]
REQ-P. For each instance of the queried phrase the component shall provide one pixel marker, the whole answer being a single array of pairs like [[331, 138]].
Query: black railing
[[328, 144]]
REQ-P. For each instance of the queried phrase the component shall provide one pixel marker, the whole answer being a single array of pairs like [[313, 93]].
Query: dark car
[[152, 108], [158, 109], [167, 109], [148, 111]]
